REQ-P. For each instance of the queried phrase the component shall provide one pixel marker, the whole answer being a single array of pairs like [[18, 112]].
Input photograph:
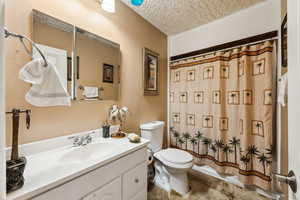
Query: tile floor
[[207, 188]]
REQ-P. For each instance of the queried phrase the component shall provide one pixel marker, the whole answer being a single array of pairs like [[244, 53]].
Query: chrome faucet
[[86, 140], [82, 140], [77, 141]]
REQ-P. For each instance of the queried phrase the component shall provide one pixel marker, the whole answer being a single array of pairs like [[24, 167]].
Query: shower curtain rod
[[235, 47], [21, 38], [273, 35]]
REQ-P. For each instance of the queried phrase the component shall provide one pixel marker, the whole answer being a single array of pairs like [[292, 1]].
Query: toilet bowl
[[171, 167]]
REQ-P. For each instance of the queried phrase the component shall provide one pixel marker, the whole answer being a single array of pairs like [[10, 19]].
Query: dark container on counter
[[106, 131]]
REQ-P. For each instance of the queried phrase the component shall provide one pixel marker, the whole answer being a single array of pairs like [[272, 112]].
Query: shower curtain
[[221, 111]]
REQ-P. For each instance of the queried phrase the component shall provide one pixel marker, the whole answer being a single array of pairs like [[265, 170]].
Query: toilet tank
[[154, 132]]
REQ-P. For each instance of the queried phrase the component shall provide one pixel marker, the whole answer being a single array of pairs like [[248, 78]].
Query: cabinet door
[[135, 181], [111, 191], [142, 195]]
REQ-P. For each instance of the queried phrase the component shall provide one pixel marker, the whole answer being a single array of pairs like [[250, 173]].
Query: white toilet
[[171, 165]]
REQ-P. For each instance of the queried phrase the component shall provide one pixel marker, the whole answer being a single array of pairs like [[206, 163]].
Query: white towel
[[47, 88], [90, 92], [282, 89]]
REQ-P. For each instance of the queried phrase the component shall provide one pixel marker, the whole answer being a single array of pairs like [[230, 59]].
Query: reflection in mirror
[[55, 39], [98, 63]]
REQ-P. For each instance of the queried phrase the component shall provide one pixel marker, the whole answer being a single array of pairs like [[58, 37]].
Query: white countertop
[[48, 169]]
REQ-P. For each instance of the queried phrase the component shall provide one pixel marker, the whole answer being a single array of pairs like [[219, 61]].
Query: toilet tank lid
[[152, 125]]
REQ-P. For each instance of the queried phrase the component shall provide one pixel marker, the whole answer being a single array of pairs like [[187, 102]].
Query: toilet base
[[171, 179], [179, 183]]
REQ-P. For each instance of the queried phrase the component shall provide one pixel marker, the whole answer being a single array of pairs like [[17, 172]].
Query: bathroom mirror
[[97, 67], [88, 64], [55, 38]]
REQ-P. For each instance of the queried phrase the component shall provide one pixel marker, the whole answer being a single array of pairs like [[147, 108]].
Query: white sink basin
[[88, 152]]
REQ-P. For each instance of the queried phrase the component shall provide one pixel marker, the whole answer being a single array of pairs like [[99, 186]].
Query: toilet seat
[[175, 158]]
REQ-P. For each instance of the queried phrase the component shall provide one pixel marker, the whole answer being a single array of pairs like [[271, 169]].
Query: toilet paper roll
[[150, 156]]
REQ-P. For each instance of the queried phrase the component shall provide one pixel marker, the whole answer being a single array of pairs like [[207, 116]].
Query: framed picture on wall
[[284, 43], [108, 73], [69, 70], [151, 72]]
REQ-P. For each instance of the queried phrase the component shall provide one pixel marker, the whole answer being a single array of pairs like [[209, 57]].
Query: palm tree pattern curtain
[[221, 111]]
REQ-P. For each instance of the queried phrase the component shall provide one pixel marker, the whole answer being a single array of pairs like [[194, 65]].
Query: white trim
[[293, 89], [278, 165], [2, 107], [168, 91]]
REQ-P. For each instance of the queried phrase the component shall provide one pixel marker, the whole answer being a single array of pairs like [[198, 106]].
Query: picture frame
[[150, 72], [108, 73], [69, 68], [284, 43]]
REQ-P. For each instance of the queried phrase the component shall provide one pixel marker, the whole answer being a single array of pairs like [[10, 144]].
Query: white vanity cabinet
[[121, 179]]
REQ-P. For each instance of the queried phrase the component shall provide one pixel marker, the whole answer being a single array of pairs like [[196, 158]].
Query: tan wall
[[283, 8], [124, 27]]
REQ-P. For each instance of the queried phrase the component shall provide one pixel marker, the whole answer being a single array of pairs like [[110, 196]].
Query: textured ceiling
[[175, 16]]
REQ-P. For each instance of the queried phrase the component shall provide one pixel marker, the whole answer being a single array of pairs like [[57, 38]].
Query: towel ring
[[21, 38]]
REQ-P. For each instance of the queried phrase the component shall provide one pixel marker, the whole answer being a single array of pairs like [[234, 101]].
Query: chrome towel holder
[[21, 38]]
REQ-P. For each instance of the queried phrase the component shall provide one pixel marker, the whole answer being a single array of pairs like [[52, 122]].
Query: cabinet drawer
[[111, 191], [134, 181]]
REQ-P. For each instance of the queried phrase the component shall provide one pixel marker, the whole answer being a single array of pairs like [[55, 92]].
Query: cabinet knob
[[136, 180]]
